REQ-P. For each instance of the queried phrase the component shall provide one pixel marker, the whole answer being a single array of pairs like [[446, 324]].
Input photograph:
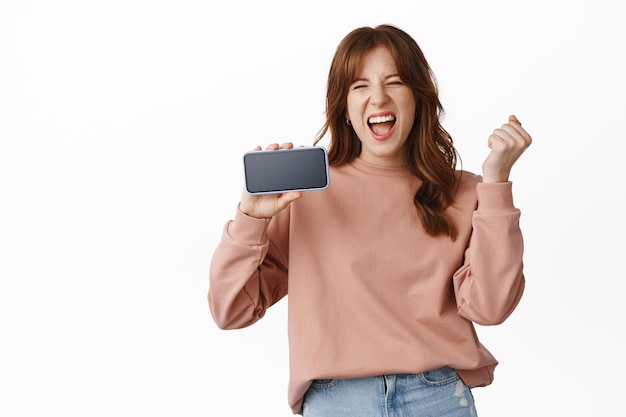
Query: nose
[[379, 95]]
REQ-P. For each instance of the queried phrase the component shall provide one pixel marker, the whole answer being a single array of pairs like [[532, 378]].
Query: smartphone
[[282, 170]]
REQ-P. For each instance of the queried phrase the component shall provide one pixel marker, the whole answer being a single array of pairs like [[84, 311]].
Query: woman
[[388, 268]]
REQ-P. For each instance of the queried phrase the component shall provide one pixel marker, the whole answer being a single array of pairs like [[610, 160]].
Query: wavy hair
[[429, 151]]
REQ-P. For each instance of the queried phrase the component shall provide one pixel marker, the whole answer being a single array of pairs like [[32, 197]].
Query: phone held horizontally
[[283, 170]]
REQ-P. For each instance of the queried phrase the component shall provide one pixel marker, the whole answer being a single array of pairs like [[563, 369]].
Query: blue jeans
[[438, 393]]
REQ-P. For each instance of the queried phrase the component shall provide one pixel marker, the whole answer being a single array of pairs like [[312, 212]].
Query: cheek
[[354, 105], [409, 116]]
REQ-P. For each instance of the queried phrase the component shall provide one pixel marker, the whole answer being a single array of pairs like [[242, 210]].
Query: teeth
[[381, 119]]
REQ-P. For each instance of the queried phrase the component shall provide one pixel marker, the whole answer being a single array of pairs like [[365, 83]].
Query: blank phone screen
[[302, 169]]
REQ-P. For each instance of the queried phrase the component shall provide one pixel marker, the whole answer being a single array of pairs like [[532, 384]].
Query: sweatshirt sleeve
[[490, 283], [248, 271]]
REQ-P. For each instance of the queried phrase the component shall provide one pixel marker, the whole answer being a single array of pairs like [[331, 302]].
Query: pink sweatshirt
[[370, 293]]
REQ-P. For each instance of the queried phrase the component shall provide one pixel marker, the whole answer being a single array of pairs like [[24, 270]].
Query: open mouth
[[380, 125]]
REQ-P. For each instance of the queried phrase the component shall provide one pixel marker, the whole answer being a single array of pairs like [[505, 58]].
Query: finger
[[286, 145], [506, 133], [518, 132], [503, 141], [515, 122], [292, 195], [285, 199], [511, 129], [500, 140], [513, 119], [272, 146]]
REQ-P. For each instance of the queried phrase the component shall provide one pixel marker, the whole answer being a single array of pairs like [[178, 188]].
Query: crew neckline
[[370, 168]]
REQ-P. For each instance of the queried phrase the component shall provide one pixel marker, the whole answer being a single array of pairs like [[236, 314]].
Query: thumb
[[285, 199], [513, 119]]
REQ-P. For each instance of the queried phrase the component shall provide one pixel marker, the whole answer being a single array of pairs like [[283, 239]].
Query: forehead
[[378, 59]]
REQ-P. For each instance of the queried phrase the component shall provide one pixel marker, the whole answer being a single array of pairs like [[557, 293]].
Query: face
[[381, 109]]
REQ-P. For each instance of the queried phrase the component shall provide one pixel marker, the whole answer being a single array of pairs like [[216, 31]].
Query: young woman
[[389, 267]]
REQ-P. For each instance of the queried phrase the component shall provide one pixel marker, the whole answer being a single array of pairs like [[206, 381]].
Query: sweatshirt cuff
[[248, 230], [495, 197]]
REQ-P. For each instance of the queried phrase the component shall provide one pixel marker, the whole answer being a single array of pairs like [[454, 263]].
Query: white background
[[122, 125]]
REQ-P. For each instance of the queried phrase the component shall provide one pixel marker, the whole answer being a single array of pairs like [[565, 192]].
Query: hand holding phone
[[267, 205]]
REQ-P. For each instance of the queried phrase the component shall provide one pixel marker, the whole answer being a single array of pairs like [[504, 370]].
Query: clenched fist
[[507, 144]]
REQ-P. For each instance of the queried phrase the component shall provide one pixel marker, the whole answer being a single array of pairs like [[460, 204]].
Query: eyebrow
[[386, 77]]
